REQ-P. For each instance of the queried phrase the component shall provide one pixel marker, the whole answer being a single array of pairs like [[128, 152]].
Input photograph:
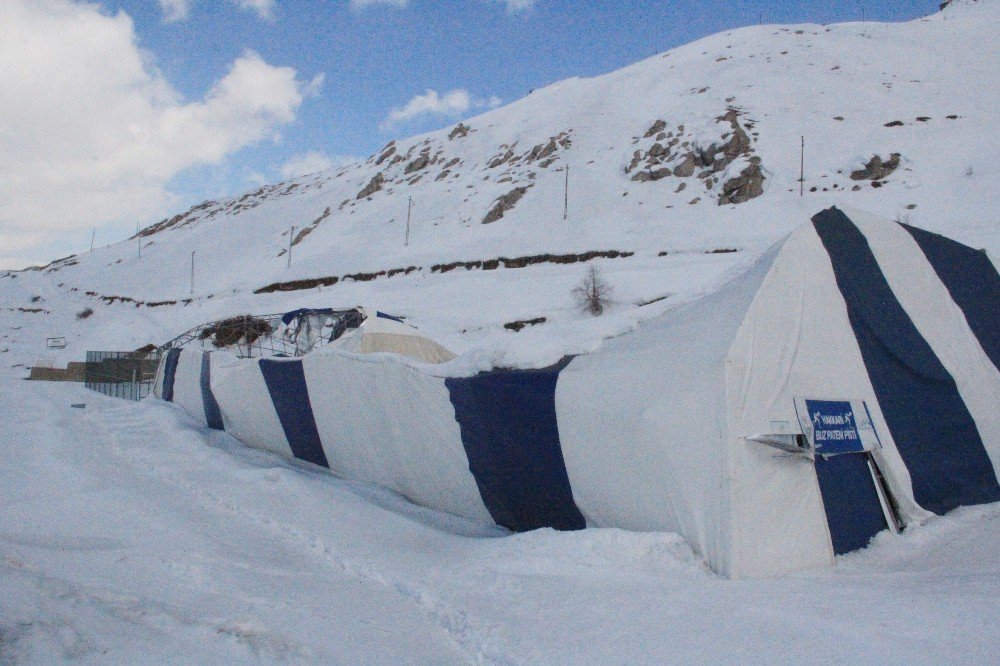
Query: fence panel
[[127, 375]]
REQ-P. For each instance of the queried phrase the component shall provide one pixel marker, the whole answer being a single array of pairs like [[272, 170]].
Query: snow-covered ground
[[128, 535]]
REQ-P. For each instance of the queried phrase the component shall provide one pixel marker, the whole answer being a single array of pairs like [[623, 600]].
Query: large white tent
[[845, 384]]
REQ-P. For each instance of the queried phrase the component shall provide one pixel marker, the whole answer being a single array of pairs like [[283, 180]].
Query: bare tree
[[593, 294]]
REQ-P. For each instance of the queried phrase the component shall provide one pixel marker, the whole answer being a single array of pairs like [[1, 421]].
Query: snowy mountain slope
[[654, 151]]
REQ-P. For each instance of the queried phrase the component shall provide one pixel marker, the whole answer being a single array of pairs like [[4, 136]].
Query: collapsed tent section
[[846, 383]]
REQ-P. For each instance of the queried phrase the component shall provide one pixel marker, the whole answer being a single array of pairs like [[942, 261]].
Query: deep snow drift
[[129, 535]]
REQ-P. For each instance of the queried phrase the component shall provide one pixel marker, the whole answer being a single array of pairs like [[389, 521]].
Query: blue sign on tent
[[835, 427]]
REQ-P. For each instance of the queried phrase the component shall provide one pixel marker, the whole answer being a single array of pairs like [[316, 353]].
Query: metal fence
[[127, 375], [257, 336]]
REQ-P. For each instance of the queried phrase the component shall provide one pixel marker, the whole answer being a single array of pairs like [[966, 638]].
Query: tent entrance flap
[[856, 497], [851, 500]]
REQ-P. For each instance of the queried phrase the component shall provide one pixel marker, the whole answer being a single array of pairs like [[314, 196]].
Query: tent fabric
[[511, 437], [169, 372], [286, 385], [844, 480], [213, 416], [972, 282], [660, 429], [393, 425], [930, 422], [385, 333]]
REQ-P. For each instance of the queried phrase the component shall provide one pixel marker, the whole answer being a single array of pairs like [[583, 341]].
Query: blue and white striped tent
[[846, 383]]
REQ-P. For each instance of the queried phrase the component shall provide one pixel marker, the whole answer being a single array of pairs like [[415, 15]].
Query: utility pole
[[802, 167], [138, 239], [409, 209], [93, 233], [291, 237], [566, 195], [192, 272]]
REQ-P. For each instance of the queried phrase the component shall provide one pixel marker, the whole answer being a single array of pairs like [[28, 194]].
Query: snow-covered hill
[[657, 152]]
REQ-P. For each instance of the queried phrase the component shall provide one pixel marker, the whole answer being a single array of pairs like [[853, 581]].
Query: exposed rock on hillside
[[309, 229], [461, 130], [682, 155], [504, 204], [748, 185], [373, 186], [419, 163], [876, 169], [387, 152]]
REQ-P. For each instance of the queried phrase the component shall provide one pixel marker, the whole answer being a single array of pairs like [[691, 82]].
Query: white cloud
[[513, 6], [175, 10], [313, 161], [178, 10], [92, 133], [451, 104], [517, 5], [358, 5], [264, 8]]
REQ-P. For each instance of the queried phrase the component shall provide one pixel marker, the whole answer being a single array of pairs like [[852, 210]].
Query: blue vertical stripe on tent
[[213, 415], [933, 430], [169, 373], [508, 424], [852, 506], [973, 282], [286, 382]]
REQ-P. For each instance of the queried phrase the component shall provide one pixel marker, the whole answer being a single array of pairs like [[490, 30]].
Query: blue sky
[[332, 71], [377, 58]]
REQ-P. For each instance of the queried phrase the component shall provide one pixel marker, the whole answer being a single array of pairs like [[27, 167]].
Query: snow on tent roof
[[842, 385], [386, 333]]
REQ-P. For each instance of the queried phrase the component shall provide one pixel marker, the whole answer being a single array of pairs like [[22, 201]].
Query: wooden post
[[802, 167], [93, 233], [291, 237], [409, 209], [566, 195]]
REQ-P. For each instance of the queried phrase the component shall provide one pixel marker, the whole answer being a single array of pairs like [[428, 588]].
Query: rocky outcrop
[[652, 175], [460, 131], [309, 229], [387, 152], [748, 185], [876, 169], [546, 151], [674, 152], [504, 204], [505, 155], [421, 162], [373, 186], [655, 129]]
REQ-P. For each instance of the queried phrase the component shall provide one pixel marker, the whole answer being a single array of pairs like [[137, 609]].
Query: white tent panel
[[650, 454], [247, 410], [389, 424], [187, 385]]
